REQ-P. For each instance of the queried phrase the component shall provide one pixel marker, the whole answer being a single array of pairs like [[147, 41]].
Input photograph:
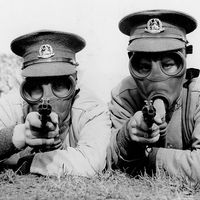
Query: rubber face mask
[[159, 75], [57, 91]]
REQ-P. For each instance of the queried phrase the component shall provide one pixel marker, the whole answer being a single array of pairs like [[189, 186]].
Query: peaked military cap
[[48, 53], [157, 30]]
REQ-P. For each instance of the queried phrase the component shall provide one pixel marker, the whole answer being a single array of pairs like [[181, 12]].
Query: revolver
[[44, 109], [149, 112]]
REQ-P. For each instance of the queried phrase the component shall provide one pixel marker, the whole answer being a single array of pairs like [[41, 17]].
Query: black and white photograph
[[99, 99]]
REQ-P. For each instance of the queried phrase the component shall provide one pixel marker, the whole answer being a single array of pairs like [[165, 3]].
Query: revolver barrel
[[149, 112], [44, 110]]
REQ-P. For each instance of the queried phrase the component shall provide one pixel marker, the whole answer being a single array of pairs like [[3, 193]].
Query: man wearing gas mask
[[155, 112], [64, 126]]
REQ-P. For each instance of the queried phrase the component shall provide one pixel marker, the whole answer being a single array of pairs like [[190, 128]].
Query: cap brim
[[178, 18], [48, 69], [155, 44]]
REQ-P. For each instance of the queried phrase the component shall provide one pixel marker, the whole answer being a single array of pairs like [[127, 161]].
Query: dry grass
[[105, 186]]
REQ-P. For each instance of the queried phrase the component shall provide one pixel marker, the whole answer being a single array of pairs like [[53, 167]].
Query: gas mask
[[57, 92], [159, 75]]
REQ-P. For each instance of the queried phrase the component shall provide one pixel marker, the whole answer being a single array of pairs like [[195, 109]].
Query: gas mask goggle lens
[[170, 63], [32, 89]]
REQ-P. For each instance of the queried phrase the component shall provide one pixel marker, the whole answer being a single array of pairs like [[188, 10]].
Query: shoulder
[[196, 85], [11, 98], [126, 93], [10, 108], [125, 97], [86, 100], [126, 85], [87, 107]]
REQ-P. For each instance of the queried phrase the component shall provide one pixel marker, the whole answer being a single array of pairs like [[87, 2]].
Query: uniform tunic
[[85, 141], [180, 154]]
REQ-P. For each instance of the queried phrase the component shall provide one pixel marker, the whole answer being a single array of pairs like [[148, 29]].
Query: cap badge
[[45, 51], [154, 25]]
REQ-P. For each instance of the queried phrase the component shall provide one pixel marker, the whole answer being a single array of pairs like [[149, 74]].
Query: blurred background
[[104, 61]]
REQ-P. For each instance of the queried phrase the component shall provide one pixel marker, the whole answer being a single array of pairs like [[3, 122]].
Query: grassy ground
[[105, 186]]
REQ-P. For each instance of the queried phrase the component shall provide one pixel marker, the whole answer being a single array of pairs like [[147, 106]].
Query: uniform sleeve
[[8, 120], [119, 116], [123, 153], [7, 147], [88, 158], [10, 115], [183, 163]]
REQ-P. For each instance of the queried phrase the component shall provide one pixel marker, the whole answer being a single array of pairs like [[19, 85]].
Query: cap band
[[50, 60], [53, 55]]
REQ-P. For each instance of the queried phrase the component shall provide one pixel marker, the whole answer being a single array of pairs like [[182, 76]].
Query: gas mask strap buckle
[[190, 74], [189, 49]]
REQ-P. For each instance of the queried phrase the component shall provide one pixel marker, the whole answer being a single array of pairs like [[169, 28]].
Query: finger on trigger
[[54, 117], [33, 120]]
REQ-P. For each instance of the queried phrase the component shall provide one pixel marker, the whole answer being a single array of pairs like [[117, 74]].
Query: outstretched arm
[[89, 155]]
